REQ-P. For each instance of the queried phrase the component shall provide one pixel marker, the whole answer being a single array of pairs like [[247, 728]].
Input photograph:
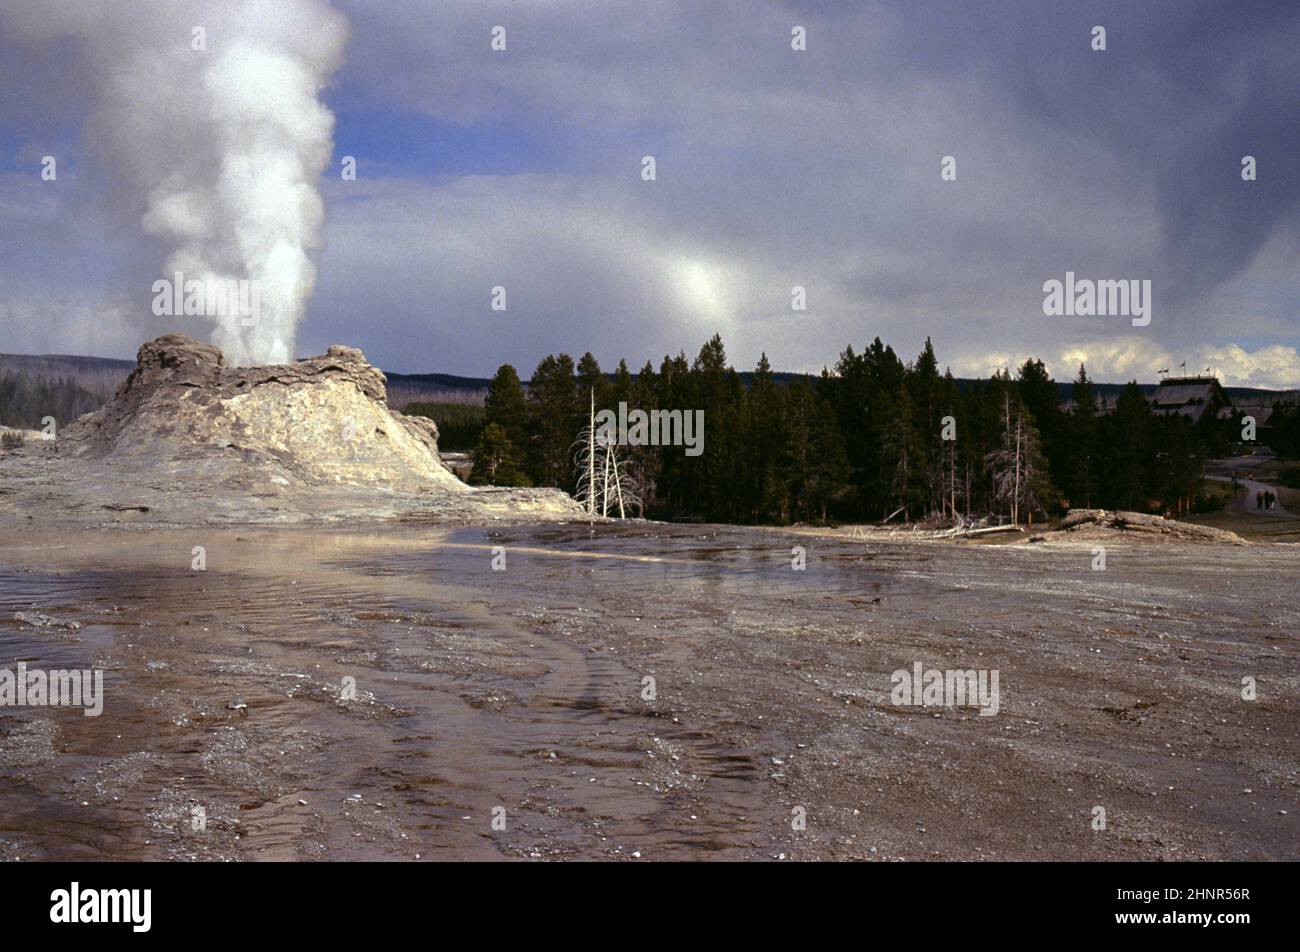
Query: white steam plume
[[220, 148]]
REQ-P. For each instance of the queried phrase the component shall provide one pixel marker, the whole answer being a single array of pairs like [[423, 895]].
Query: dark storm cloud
[[822, 168], [819, 169]]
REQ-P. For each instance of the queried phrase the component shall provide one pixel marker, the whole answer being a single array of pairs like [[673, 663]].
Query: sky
[[775, 168]]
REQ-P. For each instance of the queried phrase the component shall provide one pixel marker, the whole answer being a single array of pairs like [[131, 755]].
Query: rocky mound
[[324, 420], [1094, 521], [188, 440]]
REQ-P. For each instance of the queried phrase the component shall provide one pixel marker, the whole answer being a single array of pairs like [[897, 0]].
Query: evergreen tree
[[496, 460], [556, 420], [642, 463], [902, 476], [591, 379], [506, 406], [711, 477], [1178, 463], [1041, 398], [829, 474], [951, 463], [1080, 479], [623, 389], [762, 490], [924, 388], [1126, 435], [675, 390]]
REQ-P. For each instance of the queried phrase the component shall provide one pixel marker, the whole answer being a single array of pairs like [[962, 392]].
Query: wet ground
[[520, 695]]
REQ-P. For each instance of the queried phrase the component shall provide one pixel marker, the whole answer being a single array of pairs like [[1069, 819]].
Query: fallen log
[[989, 529]]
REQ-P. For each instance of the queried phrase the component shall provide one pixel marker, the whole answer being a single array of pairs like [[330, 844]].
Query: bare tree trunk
[[618, 482], [591, 469], [604, 483], [952, 482], [1015, 490]]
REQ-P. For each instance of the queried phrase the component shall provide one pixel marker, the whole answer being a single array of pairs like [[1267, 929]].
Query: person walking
[[1259, 499]]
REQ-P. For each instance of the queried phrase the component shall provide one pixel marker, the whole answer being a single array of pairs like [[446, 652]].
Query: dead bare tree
[[603, 483], [1018, 468]]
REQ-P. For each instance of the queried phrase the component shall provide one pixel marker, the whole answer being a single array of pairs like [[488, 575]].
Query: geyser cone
[[320, 421]]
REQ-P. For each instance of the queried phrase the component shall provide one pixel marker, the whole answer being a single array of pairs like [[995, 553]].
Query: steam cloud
[[220, 149]]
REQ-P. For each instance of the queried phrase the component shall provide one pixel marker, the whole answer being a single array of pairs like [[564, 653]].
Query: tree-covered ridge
[[27, 399], [872, 438], [459, 424], [863, 441]]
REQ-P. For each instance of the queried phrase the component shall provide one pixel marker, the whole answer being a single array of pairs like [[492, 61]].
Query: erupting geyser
[[210, 114]]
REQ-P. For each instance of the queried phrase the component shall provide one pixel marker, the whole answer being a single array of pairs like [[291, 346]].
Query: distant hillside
[[59, 363], [96, 375], [101, 375], [435, 388]]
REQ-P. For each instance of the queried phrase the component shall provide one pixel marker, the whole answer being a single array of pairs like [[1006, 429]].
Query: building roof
[[1188, 396], [1259, 411]]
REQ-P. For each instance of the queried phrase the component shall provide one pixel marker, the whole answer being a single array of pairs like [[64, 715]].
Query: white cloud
[[1274, 366], [1124, 359]]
